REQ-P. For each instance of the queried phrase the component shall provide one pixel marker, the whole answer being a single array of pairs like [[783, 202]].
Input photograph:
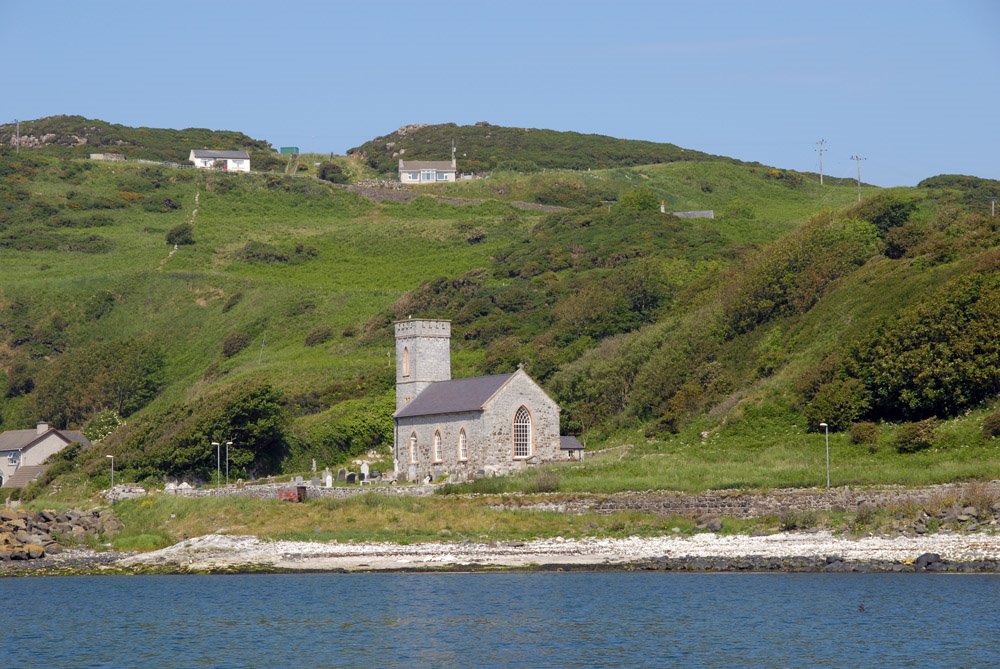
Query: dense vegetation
[[76, 136], [482, 147], [705, 350]]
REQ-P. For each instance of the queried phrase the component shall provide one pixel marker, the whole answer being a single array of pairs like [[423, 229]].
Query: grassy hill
[[76, 136], [483, 147], [272, 328]]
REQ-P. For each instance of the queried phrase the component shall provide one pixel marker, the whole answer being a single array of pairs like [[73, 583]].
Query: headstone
[[314, 466], [298, 480], [362, 477], [364, 471], [341, 474], [329, 479], [351, 477], [315, 482], [170, 488]]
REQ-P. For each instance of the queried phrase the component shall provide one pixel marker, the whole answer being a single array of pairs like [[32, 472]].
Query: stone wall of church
[[450, 426], [498, 420]]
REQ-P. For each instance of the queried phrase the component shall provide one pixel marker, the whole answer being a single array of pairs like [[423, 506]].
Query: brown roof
[[19, 440], [457, 396], [444, 165]]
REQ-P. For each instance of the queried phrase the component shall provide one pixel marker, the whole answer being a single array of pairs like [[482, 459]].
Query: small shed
[[572, 447]]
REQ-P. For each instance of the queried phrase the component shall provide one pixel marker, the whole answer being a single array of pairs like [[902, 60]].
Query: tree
[[332, 172]]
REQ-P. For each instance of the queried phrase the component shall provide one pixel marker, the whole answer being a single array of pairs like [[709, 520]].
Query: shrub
[[865, 432], [181, 234], [331, 172], [318, 335], [913, 437], [545, 481], [262, 252], [991, 424], [838, 404], [232, 301], [234, 343], [475, 236]]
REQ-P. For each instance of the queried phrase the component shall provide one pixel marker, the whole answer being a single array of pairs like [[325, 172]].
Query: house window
[[522, 433], [437, 446], [413, 176], [463, 446], [413, 448], [406, 361], [427, 175], [442, 176], [12, 458]]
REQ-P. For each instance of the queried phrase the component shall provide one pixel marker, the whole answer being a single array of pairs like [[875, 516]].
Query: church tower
[[423, 356]]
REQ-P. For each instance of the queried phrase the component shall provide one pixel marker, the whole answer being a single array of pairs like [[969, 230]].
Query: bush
[[991, 424], [234, 343], [232, 301], [181, 234], [318, 335], [838, 404], [332, 172], [865, 432], [913, 437]]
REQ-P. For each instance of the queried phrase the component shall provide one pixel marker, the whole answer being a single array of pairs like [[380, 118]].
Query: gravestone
[[314, 466], [364, 471], [298, 480], [341, 474], [351, 477], [328, 478], [315, 482]]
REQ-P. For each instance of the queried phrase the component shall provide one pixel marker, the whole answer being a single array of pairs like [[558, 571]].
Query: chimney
[[42, 427]]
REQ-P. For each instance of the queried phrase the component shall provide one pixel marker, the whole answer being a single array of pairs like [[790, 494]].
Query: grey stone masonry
[[423, 356]]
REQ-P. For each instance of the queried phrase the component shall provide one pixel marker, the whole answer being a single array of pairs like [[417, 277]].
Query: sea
[[536, 619]]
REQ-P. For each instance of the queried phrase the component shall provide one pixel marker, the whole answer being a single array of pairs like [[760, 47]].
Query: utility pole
[[993, 206], [17, 136], [857, 159], [821, 149]]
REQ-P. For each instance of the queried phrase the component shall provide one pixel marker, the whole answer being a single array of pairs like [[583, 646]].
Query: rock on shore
[[26, 535]]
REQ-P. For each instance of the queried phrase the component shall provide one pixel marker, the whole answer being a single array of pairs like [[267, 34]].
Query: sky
[[912, 86]]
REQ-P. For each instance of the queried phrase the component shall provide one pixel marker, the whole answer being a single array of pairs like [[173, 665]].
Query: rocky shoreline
[[706, 552]]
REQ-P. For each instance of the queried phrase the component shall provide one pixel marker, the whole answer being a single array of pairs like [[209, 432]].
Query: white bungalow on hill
[[235, 161], [426, 171]]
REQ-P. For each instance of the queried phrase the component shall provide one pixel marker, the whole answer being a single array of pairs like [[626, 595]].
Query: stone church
[[466, 428]]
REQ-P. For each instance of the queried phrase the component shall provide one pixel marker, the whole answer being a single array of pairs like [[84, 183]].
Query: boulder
[[8, 514], [34, 551], [925, 560], [22, 537], [53, 548]]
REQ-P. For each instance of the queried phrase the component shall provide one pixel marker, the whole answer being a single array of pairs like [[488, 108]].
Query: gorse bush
[[991, 424], [233, 343], [913, 437], [181, 234]]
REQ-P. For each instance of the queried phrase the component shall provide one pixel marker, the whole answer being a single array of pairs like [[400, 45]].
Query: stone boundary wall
[[270, 491], [750, 504]]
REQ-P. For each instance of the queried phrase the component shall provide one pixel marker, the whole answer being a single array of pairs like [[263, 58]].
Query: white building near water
[[423, 172], [23, 452], [234, 161], [466, 428]]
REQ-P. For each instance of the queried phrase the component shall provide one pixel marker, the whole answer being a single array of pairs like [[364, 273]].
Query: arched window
[[522, 433], [406, 361], [463, 446], [413, 448], [437, 446]]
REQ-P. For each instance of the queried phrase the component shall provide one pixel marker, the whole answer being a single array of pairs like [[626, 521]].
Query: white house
[[22, 452], [235, 161], [428, 171], [466, 428]]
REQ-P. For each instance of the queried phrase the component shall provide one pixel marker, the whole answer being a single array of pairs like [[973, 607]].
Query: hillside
[[76, 136], [272, 327], [483, 147]]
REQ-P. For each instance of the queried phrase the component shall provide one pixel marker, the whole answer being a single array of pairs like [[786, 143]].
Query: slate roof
[[455, 396], [442, 165], [17, 440], [221, 155], [570, 444]]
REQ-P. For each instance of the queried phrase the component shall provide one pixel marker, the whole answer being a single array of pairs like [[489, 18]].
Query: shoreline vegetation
[[937, 529]]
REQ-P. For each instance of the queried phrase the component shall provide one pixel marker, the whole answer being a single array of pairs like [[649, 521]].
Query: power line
[[857, 159], [821, 149]]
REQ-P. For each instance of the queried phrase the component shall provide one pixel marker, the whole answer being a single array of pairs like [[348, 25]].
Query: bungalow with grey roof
[[24, 452], [234, 161]]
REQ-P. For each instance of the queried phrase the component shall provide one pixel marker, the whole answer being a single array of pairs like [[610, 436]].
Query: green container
[[289, 150]]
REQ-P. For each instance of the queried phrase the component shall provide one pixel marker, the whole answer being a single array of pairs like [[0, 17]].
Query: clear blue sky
[[913, 86]]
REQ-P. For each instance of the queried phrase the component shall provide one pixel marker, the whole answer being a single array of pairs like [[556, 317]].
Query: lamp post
[[826, 429], [218, 464], [112, 469], [228, 444]]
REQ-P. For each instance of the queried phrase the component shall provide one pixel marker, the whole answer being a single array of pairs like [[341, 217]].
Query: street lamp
[[228, 444], [112, 469], [826, 429], [218, 464]]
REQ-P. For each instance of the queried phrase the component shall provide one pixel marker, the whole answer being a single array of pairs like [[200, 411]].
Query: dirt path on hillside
[[194, 214]]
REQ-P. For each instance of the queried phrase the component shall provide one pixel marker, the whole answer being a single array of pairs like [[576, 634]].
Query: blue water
[[567, 619]]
